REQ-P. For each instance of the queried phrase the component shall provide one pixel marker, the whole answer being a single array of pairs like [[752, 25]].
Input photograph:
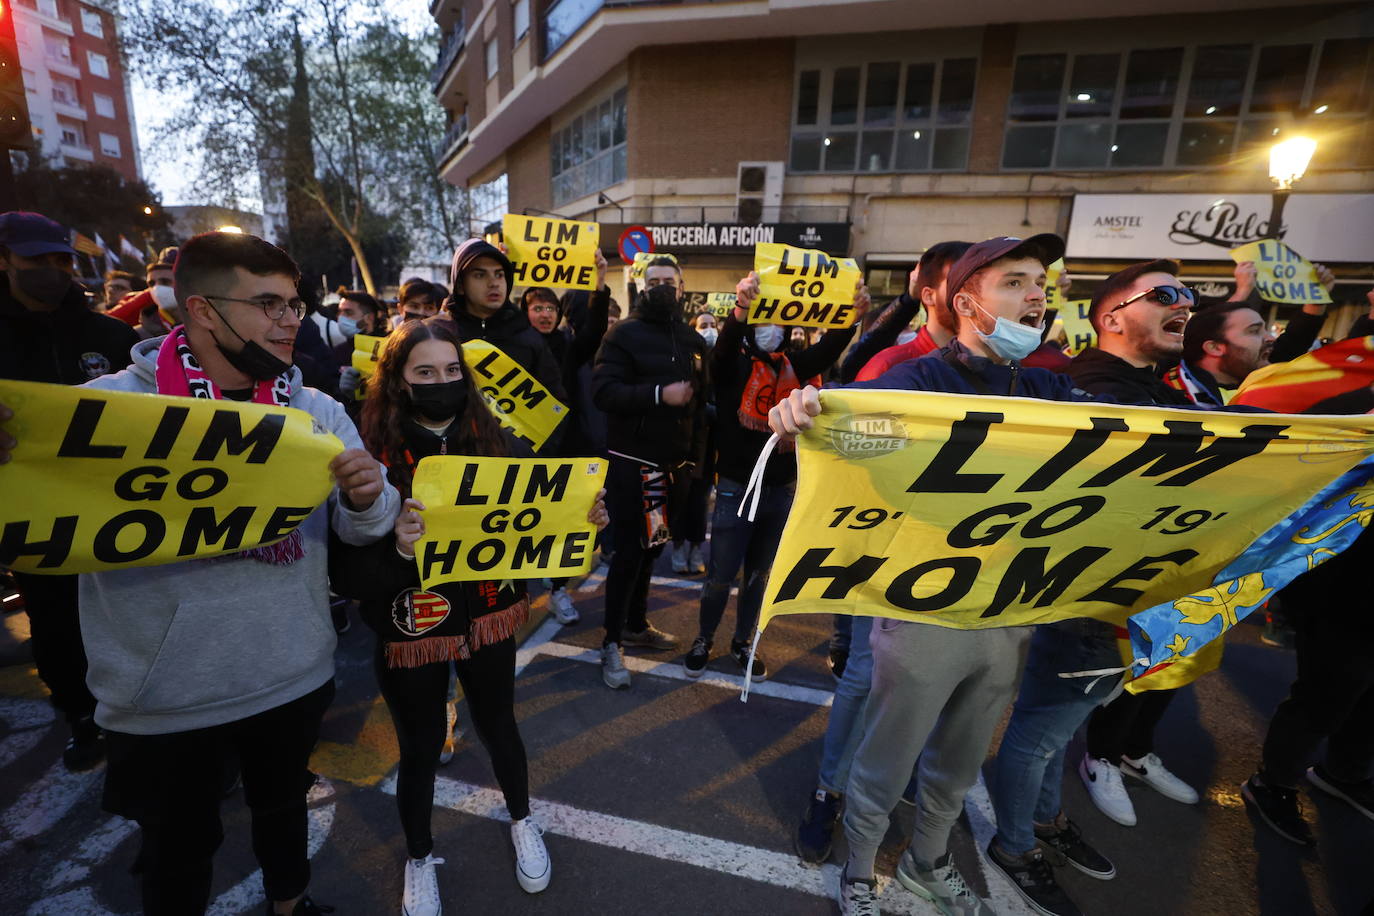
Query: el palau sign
[[1205, 227]]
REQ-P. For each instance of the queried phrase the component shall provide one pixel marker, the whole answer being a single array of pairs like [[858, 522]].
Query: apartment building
[[78, 93], [874, 128]]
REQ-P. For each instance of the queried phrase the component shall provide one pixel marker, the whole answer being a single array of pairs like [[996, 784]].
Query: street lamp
[[147, 211], [232, 230], [1288, 160]]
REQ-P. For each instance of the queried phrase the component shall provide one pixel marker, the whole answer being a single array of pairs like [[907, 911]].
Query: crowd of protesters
[[160, 671]]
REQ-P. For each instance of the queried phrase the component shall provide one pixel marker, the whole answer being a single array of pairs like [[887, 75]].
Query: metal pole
[[7, 195], [1275, 228]]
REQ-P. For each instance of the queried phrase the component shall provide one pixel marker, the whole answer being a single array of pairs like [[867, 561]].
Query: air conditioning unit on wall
[[758, 192]]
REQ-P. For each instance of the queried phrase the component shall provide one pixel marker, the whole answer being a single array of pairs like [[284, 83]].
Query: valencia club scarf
[[771, 380], [178, 373]]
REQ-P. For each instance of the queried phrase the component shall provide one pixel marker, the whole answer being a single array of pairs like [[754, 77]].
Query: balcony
[[46, 17], [455, 139], [76, 151], [68, 107], [63, 65], [449, 49]]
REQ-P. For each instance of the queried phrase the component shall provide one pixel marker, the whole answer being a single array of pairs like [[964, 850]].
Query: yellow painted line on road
[[22, 681]]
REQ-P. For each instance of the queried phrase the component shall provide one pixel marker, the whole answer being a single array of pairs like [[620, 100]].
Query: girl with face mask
[[422, 402]]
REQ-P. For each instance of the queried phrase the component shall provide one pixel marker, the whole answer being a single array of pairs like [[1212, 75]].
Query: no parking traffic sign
[[635, 240]]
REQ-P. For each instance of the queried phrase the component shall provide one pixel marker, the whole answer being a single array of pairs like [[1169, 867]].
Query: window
[[97, 64], [487, 203], [1186, 107], [109, 145], [521, 14], [48, 8], [104, 105], [91, 24], [588, 154], [57, 47], [64, 91], [883, 116], [562, 19], [72, 134], [493, 60]]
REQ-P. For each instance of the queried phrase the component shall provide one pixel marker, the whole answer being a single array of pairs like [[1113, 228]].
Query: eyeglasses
[[275, 307], [1167, 296]]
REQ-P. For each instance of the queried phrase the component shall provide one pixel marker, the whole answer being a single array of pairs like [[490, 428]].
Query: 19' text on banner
[[800, 286], [109, 479], [505, 518], [551, 252], [517, 399]]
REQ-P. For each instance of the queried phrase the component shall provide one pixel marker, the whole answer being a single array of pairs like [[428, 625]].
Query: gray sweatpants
[[938, 694]]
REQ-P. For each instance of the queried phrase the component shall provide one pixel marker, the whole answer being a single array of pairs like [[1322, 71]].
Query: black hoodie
[[639, 356], [69, 346]]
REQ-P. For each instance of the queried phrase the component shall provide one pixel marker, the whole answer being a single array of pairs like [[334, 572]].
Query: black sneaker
[[1033, 879], [697, 657], [1359, 794], [304, 907], [86, 747], [816, 833], [837, 660], [1279, 808], [739, 651], [1064, 845]]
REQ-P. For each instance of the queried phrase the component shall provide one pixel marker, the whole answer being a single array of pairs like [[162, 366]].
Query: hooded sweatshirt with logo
[[205, 642]]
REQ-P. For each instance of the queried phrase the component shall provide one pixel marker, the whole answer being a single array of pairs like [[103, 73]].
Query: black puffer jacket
[[639, 356], [68, 346]]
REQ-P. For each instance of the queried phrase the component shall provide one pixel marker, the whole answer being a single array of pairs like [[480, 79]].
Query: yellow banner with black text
[[505, 518], [551, 252], [110, 479], [517, 399], [801, 286]]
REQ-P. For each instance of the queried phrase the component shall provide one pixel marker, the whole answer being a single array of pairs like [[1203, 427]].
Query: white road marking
[[28, 722], [735, 859], [92, 851], [45, 802]]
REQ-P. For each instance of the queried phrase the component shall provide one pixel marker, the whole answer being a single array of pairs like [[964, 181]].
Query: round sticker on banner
[[635, 240]]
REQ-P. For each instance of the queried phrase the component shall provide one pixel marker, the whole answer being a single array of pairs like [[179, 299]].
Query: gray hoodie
[[204, 642]]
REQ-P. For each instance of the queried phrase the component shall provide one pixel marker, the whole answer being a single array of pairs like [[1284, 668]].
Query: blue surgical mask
[[1009, 339], [347, 326]]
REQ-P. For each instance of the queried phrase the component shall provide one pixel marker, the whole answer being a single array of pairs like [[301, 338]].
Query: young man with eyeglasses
[[193, 662]]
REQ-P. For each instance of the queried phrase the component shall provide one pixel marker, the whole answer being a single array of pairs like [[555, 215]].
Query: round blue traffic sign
[[635, 240]]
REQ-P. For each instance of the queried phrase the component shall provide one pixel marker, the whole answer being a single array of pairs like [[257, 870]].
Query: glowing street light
[[1288, 161], [232, 230]]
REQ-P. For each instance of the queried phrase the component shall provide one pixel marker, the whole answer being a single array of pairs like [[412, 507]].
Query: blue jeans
[[844, 730], [1027, 774], [736, 541]]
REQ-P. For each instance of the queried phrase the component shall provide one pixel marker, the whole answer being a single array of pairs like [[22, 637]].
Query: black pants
[[627, 581], [1333, 697], [170, 784], [1125, 727], [417, 697], [58, 653]]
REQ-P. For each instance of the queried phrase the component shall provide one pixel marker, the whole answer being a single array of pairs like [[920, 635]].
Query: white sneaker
[[681, 552], [560, 602], [532, 866], [1103, 782], [452, 735], [696, 563], [613, 670], [857, 898], [1153, 773], [421, 897]]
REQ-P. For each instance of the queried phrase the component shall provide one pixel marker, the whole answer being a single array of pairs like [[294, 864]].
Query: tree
[[93, 199], [328, 103]]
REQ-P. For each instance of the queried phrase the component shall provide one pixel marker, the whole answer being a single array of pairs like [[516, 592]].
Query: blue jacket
[[957, 370]]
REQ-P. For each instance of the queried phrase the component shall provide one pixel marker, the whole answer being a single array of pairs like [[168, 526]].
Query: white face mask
[[1009, 339], [709, 334], [767, 337], [165, 297], [905, 337]]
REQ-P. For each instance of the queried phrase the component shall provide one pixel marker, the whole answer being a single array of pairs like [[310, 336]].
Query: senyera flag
[[973, 512], [1305, 382]]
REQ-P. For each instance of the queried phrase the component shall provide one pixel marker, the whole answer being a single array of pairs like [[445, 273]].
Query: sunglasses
[[1162, 295]]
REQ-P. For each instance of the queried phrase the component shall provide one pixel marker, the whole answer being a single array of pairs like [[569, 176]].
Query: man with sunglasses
[[195, 662]]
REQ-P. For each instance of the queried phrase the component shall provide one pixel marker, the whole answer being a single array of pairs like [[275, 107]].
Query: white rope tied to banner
[[749, 671], [755, 486], [1103, 672]]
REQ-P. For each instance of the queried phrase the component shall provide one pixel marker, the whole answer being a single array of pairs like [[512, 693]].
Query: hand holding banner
[[109, 479], [1281, 274], [551, 252], [801, 286], [505, 518]]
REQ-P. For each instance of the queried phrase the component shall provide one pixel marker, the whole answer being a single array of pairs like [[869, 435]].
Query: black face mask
[[439, 401], [252, 360], [49, 285], [659, 303], [413, 316]]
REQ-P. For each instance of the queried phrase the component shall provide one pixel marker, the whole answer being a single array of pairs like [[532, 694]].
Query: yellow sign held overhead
[[802, 286], [110, 479], [551, 252], [642, 259], [1053, 298], [1281, 274], [517, 399], [1078, 330], [366, 351], [505, 518]]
